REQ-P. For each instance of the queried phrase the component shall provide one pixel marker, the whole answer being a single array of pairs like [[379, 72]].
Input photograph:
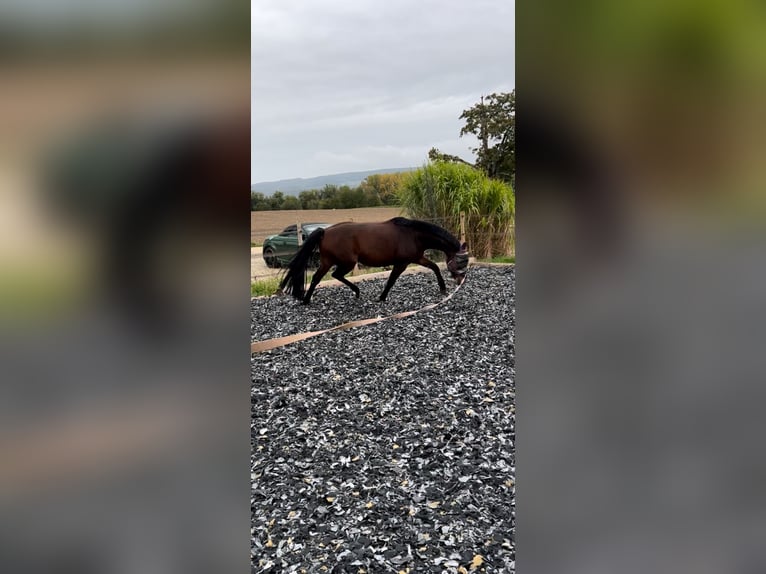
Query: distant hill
[[296, 185]]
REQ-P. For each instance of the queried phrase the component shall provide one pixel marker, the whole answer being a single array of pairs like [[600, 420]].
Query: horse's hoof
[[443, 291]]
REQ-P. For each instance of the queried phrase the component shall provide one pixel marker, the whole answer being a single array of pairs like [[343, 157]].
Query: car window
[[289, 230]]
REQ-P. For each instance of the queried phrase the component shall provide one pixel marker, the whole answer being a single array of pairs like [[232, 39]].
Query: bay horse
[[397, 242]]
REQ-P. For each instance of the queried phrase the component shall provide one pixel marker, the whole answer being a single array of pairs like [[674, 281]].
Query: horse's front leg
[[435, 268], [395, 272]]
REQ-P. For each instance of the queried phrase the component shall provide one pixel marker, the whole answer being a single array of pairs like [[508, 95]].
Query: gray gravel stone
[[283, 315], [389, 446]]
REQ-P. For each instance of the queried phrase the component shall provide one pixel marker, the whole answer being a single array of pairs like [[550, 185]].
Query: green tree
[[382, 188], [435, 155], [259, 202], [329, 191], [328, 197], [291, 202], [369, 198], [348, 197], [310, 199], [493, 122], [276, 199]]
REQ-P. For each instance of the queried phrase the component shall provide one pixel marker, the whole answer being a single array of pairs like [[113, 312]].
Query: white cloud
[[341, 84]]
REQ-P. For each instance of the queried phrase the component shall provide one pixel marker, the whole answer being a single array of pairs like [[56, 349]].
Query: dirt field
[[265, 223]]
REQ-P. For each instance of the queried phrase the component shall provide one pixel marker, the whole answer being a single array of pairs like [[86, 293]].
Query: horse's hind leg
[[435, 268], [339, 274], [321, 272], [395, 272]]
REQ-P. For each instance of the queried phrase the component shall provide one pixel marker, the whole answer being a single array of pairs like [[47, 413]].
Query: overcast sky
[[350, 85]]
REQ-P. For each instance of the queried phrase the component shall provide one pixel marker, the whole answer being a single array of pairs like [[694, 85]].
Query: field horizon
[[265, 223]]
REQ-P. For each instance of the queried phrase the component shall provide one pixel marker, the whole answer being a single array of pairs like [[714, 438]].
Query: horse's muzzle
[[461, 267]]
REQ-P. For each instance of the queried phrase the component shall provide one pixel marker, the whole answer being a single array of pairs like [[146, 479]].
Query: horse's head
[[458, 264]]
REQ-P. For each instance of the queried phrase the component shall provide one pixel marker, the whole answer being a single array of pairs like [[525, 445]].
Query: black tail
[[294, 281]]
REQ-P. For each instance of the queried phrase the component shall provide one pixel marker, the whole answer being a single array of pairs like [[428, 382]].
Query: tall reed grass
[[440, 191]]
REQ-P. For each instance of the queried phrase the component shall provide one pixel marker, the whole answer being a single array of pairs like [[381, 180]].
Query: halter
[[461, 263]]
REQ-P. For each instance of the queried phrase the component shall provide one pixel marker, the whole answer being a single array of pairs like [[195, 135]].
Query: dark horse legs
[[395, 272], [321, 272], [398, 269], [435, 268], [339, 273]]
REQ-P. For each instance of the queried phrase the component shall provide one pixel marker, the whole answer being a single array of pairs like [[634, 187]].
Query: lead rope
[[268, 344]]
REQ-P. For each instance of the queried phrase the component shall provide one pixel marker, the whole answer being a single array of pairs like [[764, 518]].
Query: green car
[[279, 249]]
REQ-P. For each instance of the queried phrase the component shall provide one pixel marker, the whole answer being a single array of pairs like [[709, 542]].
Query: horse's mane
[[430, 229]]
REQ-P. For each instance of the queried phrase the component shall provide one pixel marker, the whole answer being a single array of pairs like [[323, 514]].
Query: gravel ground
[[283, 315], [389, 447]]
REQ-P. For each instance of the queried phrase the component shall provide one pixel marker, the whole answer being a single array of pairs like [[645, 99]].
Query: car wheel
[[269, 257]]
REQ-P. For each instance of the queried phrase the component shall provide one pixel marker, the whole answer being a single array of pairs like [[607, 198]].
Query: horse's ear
[[464, 247]]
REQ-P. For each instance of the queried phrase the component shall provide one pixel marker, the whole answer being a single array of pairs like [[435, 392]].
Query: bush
[[291, 202], [440, 191]]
